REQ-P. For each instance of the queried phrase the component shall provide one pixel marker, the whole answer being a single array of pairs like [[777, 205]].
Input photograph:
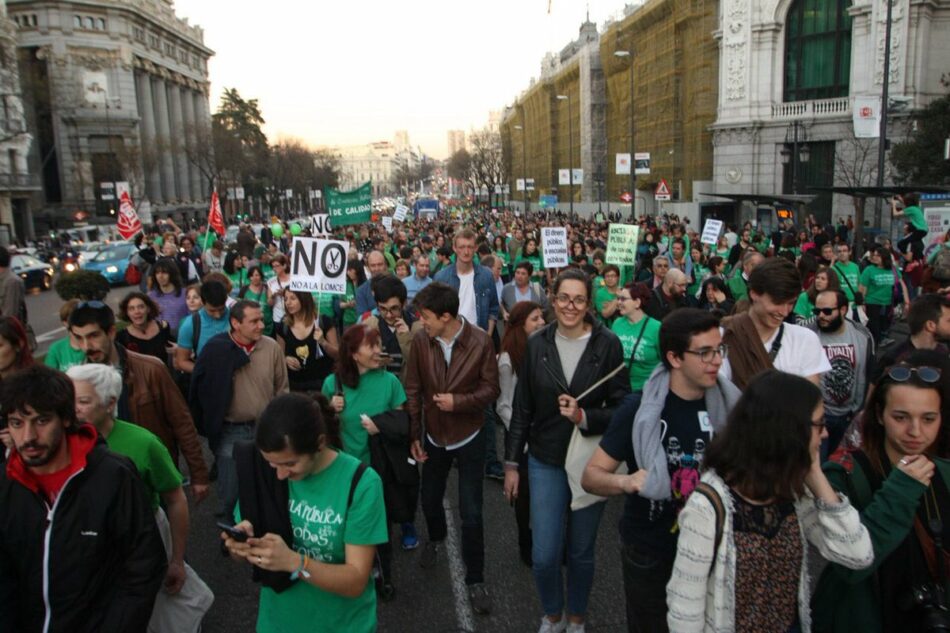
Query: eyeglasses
[[818, 425], [578, 302], [824, 311], [707, 355], [389, 310], [95, 305], [902, 373]]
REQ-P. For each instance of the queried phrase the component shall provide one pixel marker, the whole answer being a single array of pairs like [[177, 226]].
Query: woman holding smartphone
[[314, 561]]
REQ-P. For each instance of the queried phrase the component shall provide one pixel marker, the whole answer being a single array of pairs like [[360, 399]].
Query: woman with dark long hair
[[146, 333], [898, 478], [525, 319], [361, 391], [15, 351], [235, 270], [882, 287], [309, 342], [166, 290], [824, 279], [741, 558], [314, 515]]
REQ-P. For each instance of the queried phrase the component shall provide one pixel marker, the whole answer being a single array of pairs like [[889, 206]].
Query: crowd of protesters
[[782, 460]]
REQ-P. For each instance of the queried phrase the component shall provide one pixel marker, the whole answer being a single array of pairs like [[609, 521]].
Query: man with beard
[[79, 547], [670, 295], [849, 348]]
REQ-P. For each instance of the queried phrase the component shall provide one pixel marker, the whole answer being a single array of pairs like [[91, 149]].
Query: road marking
[[463, 610], [52, 334]]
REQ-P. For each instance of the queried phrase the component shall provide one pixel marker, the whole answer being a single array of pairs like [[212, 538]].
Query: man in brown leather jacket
[[451, 376], [150, 398]]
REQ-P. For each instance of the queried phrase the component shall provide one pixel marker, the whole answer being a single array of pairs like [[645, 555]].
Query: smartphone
[[238, 535]]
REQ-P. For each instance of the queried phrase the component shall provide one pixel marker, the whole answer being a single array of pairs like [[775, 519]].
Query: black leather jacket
[[536, 418]]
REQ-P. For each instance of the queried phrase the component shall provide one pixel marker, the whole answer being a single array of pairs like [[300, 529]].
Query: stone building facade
[[117, 92], [801, 66]]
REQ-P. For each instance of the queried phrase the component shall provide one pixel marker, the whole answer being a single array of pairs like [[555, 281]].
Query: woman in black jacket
[[563, 361]]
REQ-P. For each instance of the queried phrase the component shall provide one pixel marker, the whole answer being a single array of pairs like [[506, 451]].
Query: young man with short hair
[[478, 299], [211, 319], [451, 377], [419, 278], [662, 434], [79, 547], [929, 323], [849, 274]]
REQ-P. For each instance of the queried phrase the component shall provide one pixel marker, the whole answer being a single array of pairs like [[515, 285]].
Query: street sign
[[318, 265], [622, 244], [519, 184], [547, 201], [577, 177], [563, 176], [530, 184], [554, 246], [626, 197], [662, 191]]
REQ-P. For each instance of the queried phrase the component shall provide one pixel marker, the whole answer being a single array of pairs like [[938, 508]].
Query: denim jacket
[[486, 296]]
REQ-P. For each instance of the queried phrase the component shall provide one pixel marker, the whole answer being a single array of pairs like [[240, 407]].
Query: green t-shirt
[[700, 273], [536, 262], [379, 391], [506, 260], [61, 355], [738, 286], [349, 314], [322, 527], [879, 284], [852, 273], [149, 455], [915, 216], [804, 306], [644, 359], [602, 296]]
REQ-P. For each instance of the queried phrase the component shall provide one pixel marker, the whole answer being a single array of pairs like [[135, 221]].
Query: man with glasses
[[850, 351], [670, 296], [662, 434], [395, 324], [150, 397], [848, 272]]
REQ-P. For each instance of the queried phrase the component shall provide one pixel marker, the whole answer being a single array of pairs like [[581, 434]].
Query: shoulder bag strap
[[776, 344], [357, 475], [845, 277], [713, 497]]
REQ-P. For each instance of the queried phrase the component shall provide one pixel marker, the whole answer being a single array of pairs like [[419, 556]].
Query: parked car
[[33, 272], [112, 261]]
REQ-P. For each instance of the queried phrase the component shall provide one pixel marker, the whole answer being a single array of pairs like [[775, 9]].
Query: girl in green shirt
[[605, 297], [256, 290], [500, 251], [531, 254], [328, 552], [804, 308], [235, 269], [638, 333], [879, 283]]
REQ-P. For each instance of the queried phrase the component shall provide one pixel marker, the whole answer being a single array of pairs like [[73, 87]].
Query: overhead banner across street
[[350, 207]]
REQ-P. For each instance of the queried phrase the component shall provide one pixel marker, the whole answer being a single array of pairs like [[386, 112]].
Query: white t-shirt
[[276, 290], [801, 353], [467, 297]]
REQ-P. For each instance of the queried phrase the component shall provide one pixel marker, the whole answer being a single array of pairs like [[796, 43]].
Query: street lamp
[[570, 151], [633, 156], [524, 176], [798, 154]]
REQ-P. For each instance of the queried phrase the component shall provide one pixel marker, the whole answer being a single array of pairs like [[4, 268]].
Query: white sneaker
[[574, 627], [552, 627]]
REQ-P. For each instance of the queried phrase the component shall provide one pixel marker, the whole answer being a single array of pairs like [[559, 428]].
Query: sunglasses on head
[[903, 373], [95, 305]]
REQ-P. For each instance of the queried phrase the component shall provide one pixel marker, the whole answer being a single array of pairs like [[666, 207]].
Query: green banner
[[350, 207]]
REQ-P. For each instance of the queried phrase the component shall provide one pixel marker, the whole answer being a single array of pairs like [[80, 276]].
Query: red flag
[[215, 217], [128, 221]]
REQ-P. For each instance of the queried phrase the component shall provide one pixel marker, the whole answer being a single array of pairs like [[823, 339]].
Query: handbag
[[579, 451]]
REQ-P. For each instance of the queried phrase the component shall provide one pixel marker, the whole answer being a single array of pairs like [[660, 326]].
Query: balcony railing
[[815, 109], [19, 181]]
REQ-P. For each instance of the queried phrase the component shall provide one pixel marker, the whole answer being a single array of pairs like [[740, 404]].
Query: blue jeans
[[550, 502], [227, 467], [471, 471]]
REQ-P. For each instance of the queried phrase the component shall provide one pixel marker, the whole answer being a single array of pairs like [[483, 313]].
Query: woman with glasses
[[571, 378], [638, 333], [898, 479], [309, 342], [165, 289], [605, 296], [744, 534]]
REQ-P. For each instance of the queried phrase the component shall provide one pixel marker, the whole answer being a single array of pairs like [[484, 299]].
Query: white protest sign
[[320, 225], [711, 231], [318, 265], [622, 244], [400, 214], [554, 246], [388, 223]]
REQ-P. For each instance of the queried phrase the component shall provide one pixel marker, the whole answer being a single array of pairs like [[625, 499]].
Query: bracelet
[[301, 571]]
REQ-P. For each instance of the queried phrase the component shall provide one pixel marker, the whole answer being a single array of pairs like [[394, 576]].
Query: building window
[[11, 156], [90, 23], [817, 50], [154, 42], [77, 21], [138, 33], [100, 24], [170, 50]]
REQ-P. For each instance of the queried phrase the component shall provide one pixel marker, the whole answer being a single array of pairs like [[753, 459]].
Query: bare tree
[[856, 166], [487, 159]]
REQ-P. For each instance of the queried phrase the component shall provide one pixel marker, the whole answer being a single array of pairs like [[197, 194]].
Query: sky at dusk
[[346, 72]]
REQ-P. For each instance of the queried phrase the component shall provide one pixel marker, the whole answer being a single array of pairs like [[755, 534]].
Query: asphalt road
[[43, 311]]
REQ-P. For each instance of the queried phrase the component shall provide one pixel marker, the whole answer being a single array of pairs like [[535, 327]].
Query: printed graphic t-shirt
[[322, 526], [686, 431]]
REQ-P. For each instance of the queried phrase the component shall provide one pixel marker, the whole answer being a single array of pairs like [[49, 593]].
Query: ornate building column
[[153, 181], [177, 126], [192, 137], [203, 118], [166, 162]]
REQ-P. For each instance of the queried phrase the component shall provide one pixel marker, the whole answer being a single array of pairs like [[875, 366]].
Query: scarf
[[648, 432], [747, 356]]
